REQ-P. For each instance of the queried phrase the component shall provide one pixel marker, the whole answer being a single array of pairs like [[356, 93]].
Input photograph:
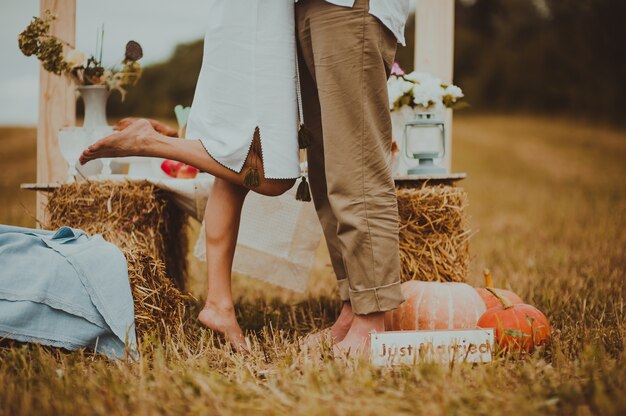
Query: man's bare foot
[[224, 321], [131, 141], [357, 340], [336, 332]]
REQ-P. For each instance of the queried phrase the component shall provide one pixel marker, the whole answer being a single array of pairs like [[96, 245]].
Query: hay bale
[[434, 237], [151, 232], [149, 229]]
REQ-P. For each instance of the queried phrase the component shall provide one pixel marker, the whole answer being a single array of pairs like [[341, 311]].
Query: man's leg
[[317, 179], [350, 59]]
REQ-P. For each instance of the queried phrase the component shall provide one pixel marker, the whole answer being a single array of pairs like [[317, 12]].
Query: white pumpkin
[[436, 305]]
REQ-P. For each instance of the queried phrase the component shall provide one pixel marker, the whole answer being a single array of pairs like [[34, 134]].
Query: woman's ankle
[[220, 306]]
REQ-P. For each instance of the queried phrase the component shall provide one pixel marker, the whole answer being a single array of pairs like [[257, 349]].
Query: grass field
[[548, 199]]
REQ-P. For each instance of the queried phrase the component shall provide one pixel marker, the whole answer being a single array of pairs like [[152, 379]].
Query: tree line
[[537, 56]]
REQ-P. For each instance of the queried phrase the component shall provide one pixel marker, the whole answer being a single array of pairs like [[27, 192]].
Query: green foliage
[[511, 55], [36, 40], [568, 57]]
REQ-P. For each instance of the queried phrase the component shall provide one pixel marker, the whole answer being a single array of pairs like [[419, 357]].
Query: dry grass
[[18, 148], [549, 203]]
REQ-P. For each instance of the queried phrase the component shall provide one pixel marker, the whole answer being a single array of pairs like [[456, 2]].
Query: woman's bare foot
[[224, 321], [357, 340], [132, 141], [336, 332], [157, 125]]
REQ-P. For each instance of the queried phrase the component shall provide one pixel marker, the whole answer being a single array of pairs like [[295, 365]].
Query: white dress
[[248, 80]]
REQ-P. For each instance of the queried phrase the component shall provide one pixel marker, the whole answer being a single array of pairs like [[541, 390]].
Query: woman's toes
[[84, 158]]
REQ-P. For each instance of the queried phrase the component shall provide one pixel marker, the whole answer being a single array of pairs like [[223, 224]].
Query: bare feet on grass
[[336, 332], [131, 141], [224, 321], [357, 340]]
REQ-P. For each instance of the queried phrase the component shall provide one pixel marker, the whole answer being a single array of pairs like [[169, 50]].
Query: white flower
[[422, 90], [428, 93], [75, 58], [397, 88], [419, 77], [454, 92]]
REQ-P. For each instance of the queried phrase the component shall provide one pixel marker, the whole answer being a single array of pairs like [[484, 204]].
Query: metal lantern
[[416, 135]]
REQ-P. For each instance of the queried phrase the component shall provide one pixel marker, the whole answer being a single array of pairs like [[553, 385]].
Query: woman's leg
[[222, 217], [140, 139], [222, 214]]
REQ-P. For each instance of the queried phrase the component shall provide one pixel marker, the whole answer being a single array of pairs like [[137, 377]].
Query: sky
[[157, 25]]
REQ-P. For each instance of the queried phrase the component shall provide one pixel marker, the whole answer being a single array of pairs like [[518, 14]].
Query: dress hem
[[246, 158]]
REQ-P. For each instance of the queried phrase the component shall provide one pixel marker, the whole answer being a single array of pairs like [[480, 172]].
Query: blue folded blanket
[[66, 289]]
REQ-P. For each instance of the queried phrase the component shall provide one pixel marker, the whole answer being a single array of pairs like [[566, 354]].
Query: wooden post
[[434, 49], [57, 105]]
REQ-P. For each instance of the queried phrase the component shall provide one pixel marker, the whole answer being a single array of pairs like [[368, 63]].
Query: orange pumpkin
[[518, 327], [435, 305], [489, 298]]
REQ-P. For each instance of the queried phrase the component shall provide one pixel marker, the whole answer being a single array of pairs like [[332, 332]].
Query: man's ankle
[[346, 307], [345, 315], [375, 321]]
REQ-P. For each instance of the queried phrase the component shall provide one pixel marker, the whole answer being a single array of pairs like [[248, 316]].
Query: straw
[[434, 236], [149, 229]]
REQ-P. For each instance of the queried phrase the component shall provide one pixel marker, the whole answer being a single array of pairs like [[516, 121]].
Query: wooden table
[[415, 181]]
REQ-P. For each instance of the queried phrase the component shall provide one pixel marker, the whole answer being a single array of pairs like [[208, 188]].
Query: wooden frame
[[57, 105], [434, 49]]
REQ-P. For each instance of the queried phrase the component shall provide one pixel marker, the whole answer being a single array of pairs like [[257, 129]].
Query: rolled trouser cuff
[[344, 289], [378, 299]]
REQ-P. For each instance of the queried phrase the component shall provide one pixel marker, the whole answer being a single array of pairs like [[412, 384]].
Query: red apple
[[171, 167], [187, 172]]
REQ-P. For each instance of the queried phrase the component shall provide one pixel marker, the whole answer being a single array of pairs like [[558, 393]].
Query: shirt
[[392, 13]]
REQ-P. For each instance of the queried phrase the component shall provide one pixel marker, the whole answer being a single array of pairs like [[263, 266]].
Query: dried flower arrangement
[[49, 49]]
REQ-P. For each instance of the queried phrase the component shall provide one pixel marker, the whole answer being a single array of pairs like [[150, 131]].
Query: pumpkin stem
[[506, 303], [488, 278]]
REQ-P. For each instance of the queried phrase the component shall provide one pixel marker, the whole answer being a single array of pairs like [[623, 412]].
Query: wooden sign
[[444, 346]]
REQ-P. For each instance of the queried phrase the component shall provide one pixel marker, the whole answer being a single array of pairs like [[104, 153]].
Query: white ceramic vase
[[95, 102], [95, 98]]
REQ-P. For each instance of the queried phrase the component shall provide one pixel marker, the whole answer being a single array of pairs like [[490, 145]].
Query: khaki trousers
[[345, 57]]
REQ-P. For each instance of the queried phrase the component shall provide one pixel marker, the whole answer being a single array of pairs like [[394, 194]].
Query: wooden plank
[[434, 49], [40, 186], [57, 104], [419, 181], [443, 176]]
